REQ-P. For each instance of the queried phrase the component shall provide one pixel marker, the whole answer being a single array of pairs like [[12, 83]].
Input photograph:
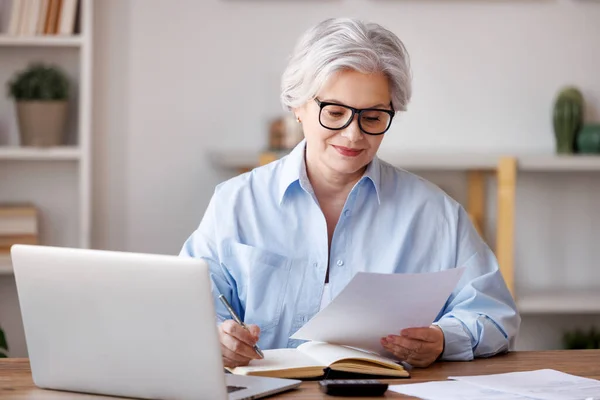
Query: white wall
[[174, 80]]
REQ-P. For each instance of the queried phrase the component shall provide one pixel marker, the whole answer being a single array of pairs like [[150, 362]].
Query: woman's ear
[[299, 113]]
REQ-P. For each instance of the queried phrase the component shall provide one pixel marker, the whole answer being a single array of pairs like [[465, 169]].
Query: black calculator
[[353, 387]]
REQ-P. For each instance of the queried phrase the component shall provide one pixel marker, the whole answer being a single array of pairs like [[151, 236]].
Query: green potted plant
[[579, 339], [3, 345], [41, 95]]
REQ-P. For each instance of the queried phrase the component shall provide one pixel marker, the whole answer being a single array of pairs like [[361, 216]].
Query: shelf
[[559, 163], [235, 159], [441, 161], [5, 265], [59, 153], [40, 41], [414, 161], [560, 302]]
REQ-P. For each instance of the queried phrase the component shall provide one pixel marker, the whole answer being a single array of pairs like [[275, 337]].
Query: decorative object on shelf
[[18, 225], [285, 133], [567, 118], [578, 339], [41, 94], [49, 17], [3, 345], [588, 139]]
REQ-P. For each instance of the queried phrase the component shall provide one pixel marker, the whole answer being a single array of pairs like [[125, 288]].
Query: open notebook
[[310, 360]]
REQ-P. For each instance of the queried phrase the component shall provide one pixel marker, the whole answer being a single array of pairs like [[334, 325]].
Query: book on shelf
[[43, 17], [18, 225], [318, 359]]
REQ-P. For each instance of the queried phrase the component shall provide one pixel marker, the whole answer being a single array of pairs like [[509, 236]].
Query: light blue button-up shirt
[[265, 240]]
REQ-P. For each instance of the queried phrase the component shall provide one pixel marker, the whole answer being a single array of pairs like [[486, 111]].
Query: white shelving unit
[[57, 180], [76, 51]]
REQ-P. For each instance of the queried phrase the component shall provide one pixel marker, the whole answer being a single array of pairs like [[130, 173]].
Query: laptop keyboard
[[231, 389]]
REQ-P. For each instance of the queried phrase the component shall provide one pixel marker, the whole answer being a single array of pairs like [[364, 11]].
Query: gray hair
[[345, 44]]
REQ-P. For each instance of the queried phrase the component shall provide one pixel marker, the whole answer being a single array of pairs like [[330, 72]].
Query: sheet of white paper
[[543, 384], [453, 390], [375, 305]]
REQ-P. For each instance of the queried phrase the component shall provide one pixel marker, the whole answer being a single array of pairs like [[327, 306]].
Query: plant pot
[[42, 123], [588, 139]]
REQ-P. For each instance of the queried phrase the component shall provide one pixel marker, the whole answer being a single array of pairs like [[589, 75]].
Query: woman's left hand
[[419, 347]]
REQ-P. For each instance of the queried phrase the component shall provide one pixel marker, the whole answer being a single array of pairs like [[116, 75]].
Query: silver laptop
[[125, 324]]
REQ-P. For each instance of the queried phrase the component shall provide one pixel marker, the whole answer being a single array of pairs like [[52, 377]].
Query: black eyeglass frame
[[323, 104]]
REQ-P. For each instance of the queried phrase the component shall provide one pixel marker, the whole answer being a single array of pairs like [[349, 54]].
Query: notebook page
[[278, 359], [327, 353]]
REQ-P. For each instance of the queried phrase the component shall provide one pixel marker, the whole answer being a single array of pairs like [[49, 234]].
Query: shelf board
[[235, 159], [240, 159], [557, 163], [58, 153], [5, 265], [440, 161], [40, 41], [413, 161], [560, 302]]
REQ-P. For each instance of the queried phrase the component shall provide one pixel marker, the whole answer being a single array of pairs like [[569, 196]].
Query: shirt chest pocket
[[262, 277]]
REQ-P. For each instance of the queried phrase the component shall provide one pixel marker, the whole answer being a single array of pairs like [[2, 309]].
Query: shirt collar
[[373, 173], [294, 169]]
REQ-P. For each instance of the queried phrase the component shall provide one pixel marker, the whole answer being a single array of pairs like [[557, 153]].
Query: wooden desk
[[16, 383]]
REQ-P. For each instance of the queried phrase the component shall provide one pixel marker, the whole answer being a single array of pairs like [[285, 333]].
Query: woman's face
[[349, 150]]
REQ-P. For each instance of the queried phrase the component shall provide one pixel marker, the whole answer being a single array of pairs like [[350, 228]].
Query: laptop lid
[[118, 323]]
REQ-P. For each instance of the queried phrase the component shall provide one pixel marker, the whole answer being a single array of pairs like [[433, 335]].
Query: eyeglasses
[[372, 121]]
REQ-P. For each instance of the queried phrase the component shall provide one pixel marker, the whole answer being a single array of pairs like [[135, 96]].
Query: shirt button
[[340, 263], [347, 213], [315, 265]]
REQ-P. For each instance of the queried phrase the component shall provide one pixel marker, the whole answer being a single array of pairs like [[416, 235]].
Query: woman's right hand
[[237, 343]]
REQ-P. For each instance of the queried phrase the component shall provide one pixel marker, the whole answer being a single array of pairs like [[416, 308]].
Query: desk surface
[[16, 382]]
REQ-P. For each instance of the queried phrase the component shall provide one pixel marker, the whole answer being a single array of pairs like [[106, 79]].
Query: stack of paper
[[544, 384], [453, 390]]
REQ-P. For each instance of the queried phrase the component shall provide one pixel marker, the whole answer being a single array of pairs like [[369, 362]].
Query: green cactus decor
[[3, 345], [568, 118]]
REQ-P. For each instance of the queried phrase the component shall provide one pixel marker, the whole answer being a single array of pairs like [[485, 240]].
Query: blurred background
[[119, 117]]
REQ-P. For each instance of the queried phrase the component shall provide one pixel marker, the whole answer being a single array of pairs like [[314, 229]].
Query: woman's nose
[[352, 132]]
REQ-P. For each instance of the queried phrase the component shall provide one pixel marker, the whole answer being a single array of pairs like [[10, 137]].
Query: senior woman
[[284, 239]]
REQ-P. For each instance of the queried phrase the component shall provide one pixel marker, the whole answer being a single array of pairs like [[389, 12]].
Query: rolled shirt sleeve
[[480, 318]]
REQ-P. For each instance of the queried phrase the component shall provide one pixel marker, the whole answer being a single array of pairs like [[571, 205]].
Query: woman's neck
[[330, 184]]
